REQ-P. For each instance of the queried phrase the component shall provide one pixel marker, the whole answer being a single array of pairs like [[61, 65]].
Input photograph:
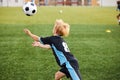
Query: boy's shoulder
[[56, 37]]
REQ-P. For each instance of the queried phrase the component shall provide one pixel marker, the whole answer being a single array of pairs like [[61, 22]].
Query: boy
[[118, 5], [67, 62], [118, 17]]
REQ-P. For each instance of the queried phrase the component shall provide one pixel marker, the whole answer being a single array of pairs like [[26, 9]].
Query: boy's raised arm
[[33, 36], [36, 39]]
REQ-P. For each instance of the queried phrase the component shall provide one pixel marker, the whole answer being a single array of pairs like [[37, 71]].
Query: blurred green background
[[97, 51]]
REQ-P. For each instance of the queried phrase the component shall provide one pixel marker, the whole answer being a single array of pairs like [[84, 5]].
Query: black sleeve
[[46, 40]]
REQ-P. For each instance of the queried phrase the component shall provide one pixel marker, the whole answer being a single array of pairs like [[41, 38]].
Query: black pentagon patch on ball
[[33, 11], [27, 8], [28, 14], [32, 4]]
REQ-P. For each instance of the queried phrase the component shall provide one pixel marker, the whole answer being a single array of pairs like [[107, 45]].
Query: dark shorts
[[71, 69]]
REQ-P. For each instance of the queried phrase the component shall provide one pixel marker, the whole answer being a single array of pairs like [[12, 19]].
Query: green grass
[[48, 15], [97, 51]]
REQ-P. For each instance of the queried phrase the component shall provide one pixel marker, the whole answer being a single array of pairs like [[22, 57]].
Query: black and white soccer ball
[[30, 8]]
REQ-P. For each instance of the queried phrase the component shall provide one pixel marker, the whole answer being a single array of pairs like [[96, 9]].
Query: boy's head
[[61, 28]]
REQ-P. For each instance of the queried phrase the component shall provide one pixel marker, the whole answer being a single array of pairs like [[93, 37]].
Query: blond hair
[[61, 28]]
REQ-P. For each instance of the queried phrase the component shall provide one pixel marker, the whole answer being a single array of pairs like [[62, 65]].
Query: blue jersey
[[64, 58], [60, 49]]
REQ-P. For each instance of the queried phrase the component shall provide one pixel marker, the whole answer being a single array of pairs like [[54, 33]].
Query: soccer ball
[[29, 8]]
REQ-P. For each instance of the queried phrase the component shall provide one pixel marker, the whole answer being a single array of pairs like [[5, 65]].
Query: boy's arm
[[34, 37], [38, 44]]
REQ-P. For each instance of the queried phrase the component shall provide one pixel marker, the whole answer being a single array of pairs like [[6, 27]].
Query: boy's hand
[[36, 44], [27, 31]]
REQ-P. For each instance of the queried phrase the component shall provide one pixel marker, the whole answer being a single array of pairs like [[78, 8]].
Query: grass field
[[97, 51]]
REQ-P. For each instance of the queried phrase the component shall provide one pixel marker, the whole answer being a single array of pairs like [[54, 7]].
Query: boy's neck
[[56, 35]]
